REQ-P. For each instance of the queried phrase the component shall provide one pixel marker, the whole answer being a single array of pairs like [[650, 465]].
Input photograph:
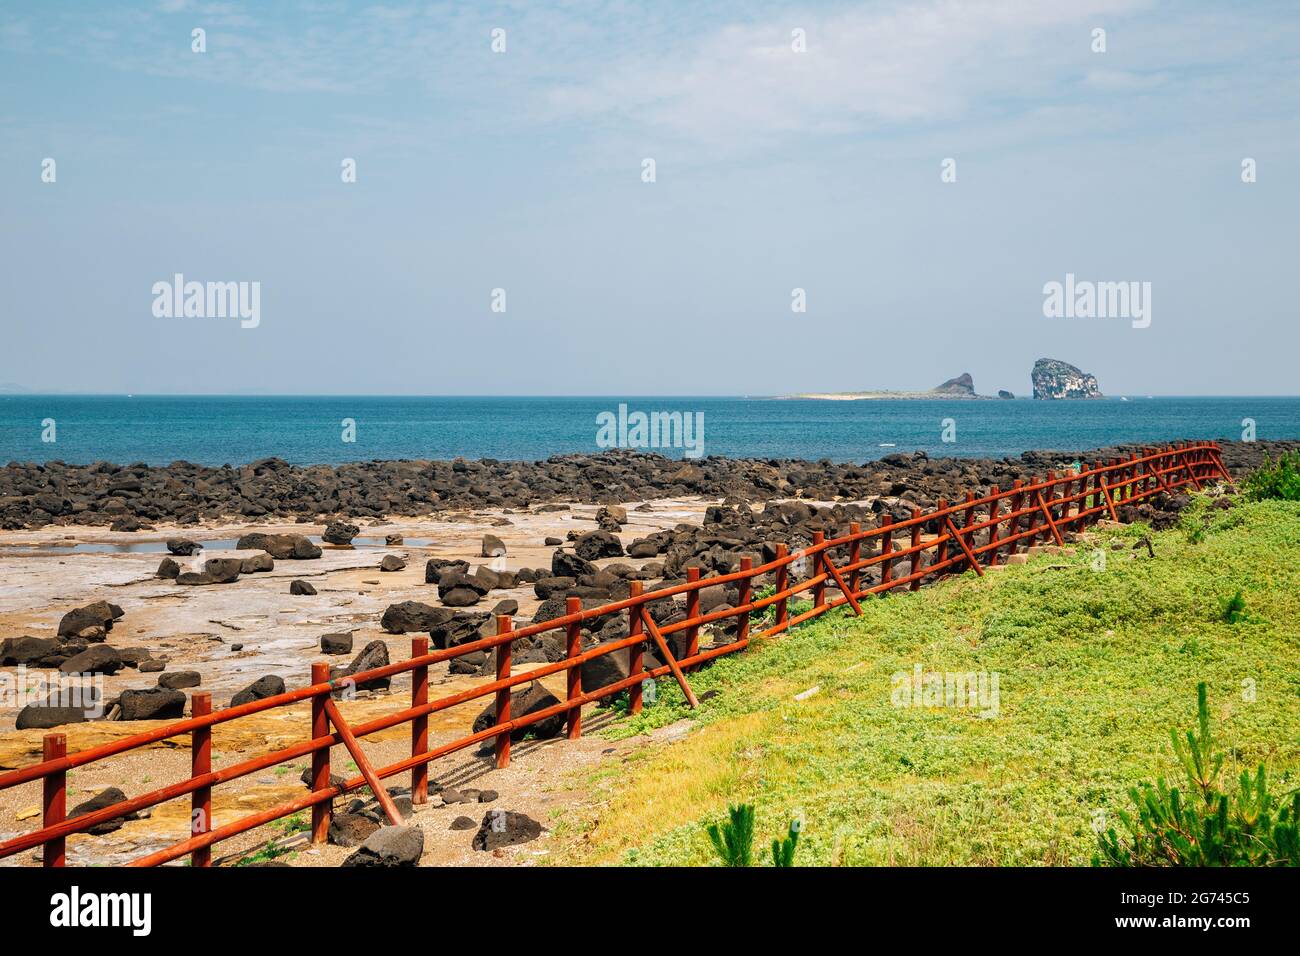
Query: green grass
[[1094, 667]]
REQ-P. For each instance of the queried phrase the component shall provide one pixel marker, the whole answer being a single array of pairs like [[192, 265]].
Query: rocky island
[[963, 386], [1053, 379]]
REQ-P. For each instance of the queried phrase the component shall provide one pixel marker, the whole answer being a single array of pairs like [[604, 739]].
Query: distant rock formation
[[1053, 378], [963, 386], [1003, 393]]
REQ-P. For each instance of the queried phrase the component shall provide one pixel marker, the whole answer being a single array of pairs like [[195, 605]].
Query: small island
[[1054, 379], [963, 386]]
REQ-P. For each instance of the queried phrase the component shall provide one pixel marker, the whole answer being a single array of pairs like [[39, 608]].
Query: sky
[[794, 147]]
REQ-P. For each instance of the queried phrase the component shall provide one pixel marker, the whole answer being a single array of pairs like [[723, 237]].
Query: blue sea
[[215, 430]]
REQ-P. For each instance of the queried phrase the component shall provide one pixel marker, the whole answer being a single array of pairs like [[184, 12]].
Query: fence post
[[1013, 523], [782, 582], [886, 548], [1049, 501], [916, 554], [855, 555], [573, 632], [968, 521], [420, 725], [1098, 496], [54, 801], [995, 506], [321, 813], [941, 552], [692, 611], [504, 626], [636, 653], [200, 764], [1035, 516], [744, 596], [819, 590]]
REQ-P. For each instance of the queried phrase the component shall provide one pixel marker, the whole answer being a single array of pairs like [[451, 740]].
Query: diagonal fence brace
[[961, 543], [839, 583], [1105, 490], [1191, 473], [1047, 513], [363, 762], [671, 661]]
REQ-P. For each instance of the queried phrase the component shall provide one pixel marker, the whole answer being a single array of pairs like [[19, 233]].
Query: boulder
[[461, 597], [336, 644], [257, 563], [522, 703], [605, 670], [100, 659], [183, 547], [392, 562], [44, 716], [413, 616], [352, 829], [282, 547], [340, 532], [168, 569], [501, 828], [550, 587], [492, 547], [595, 545], [263, 687], [101, 801], [462, 627], [95, 618], [453, 580], [301, 588], [566, 565], [154, 703], [177, 680], [615, 513], [389, 846], [222, 570], [642, 548], [434, 568], [29, 651], [374, 654]]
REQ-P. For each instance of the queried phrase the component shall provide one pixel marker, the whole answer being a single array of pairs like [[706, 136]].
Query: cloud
[[864, 68]]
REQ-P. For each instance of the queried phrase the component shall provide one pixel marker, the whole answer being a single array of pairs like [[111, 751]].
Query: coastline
[[131, 498]]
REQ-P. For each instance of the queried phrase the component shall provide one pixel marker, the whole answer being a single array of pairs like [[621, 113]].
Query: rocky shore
[[129, 497]]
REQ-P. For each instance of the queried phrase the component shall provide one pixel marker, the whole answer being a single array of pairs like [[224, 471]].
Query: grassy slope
[[1094, 668]]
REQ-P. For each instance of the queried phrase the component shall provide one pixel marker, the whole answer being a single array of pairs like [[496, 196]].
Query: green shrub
[[1275, 479], [783, 850], [734, 840], [1208, 827], [1233, 609]]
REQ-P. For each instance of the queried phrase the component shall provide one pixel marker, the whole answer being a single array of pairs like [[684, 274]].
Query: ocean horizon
[[314, 429]]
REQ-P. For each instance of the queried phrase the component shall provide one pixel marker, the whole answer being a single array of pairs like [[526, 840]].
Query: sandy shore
[[197, 628]]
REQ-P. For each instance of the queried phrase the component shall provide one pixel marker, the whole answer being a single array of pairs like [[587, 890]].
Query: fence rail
[[973, 534]]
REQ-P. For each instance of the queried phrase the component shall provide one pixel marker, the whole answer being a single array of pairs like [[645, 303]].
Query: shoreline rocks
[[35, 495]]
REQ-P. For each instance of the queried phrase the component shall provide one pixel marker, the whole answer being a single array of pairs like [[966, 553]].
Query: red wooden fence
[[970, 535]]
